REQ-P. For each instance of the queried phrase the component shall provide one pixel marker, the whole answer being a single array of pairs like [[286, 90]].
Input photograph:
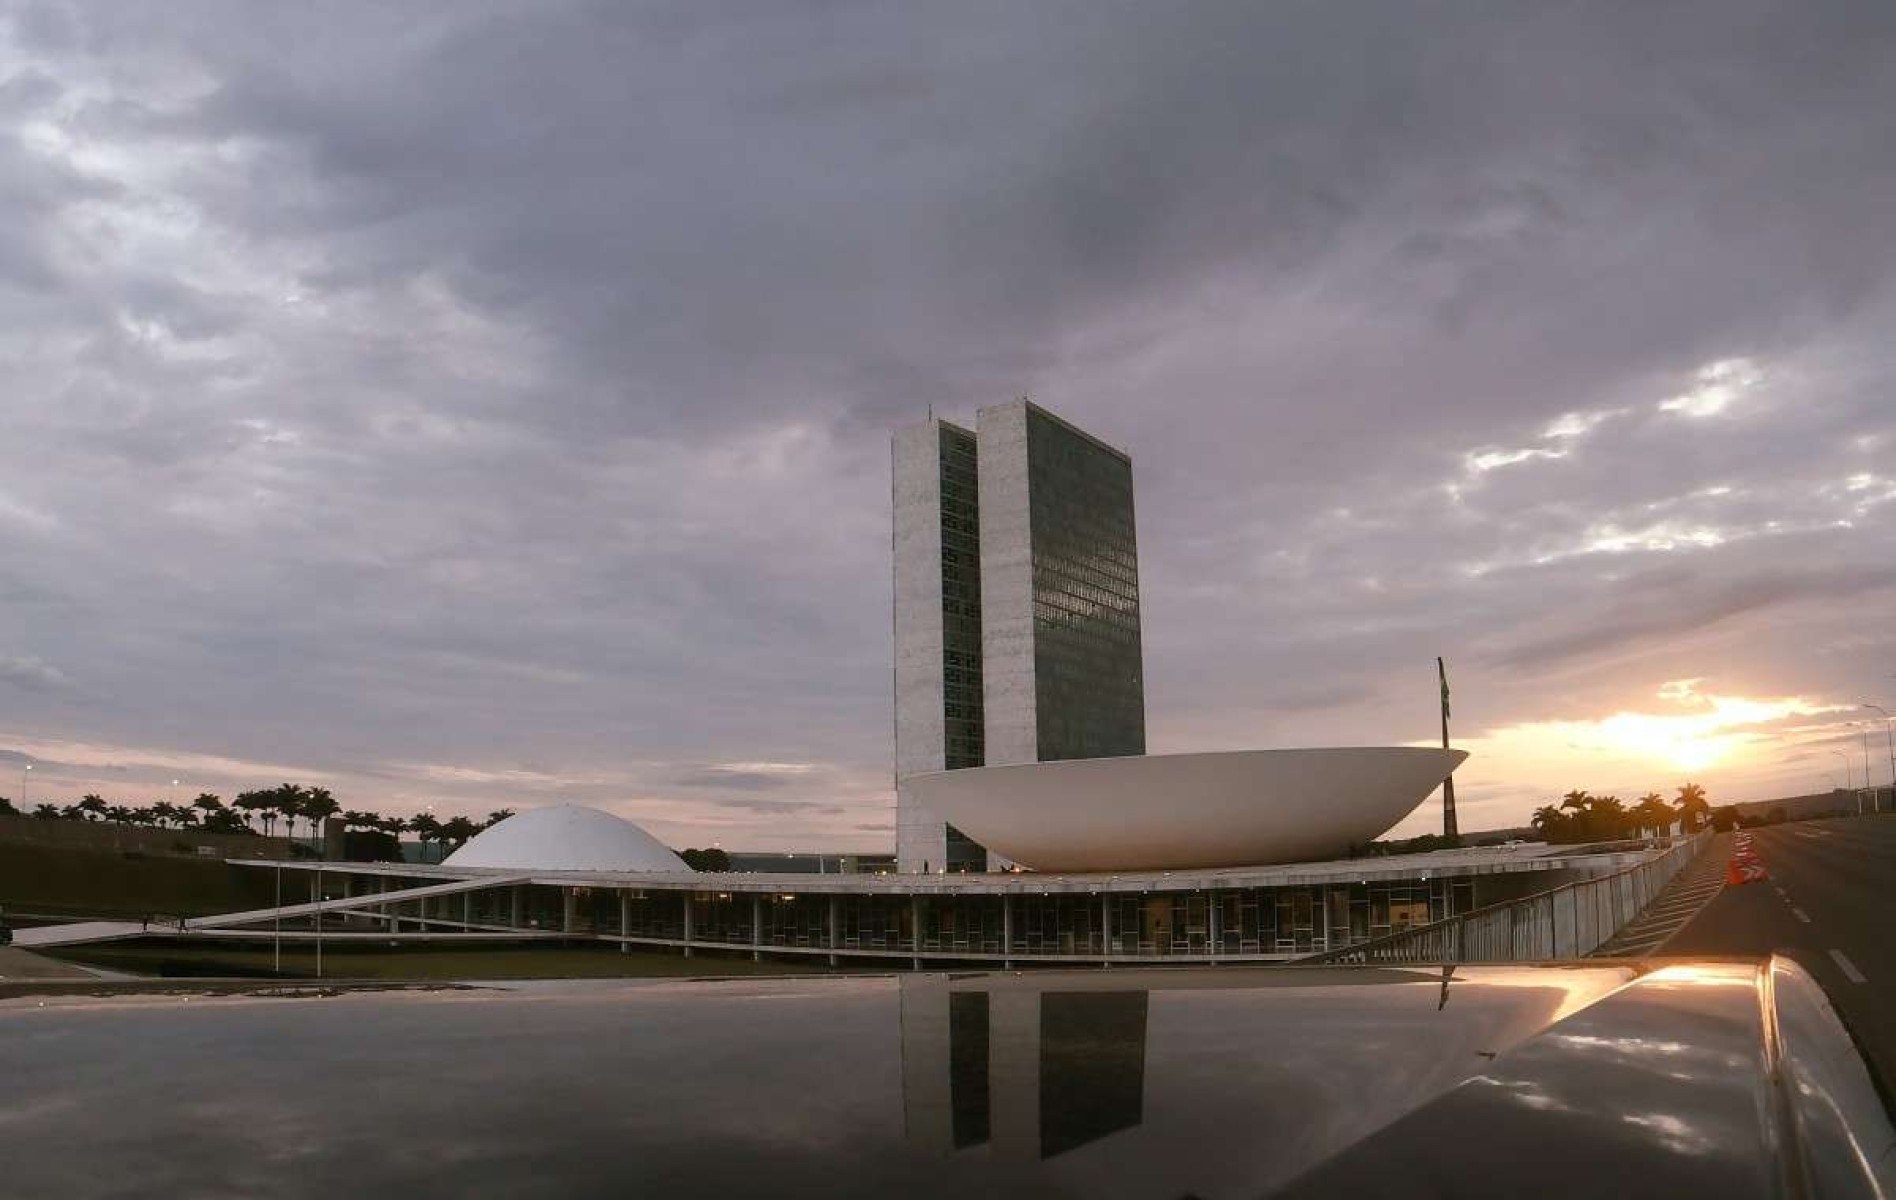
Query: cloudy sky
[[488, 404]]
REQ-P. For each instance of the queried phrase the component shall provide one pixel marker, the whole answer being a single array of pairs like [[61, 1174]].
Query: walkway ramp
[[365, 900], [1691, 890], [79, 933]]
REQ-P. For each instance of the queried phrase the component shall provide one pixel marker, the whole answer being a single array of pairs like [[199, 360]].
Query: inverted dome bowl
[[1178, 811]]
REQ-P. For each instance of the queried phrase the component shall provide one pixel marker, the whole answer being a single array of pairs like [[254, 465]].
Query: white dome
[[566, 837]]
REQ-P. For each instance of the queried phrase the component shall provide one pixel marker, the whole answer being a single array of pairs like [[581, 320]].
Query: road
[[1828, 905]]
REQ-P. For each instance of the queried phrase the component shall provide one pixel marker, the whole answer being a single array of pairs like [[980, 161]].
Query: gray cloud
[[32, 675], [505, 388], [1668, 603], [747, 781]]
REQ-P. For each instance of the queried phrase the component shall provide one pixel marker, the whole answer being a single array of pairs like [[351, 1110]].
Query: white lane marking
[[1847, 967], [1810, 833], [1800, 914]]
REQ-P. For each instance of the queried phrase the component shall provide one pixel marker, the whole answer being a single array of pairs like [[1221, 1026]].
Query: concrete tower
[[1016, 607], [938, 725]]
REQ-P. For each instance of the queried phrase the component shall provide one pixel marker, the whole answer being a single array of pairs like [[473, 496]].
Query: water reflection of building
[[1027, 1074]]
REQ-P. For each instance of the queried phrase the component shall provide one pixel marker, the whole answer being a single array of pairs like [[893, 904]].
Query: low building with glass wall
[[1231, 915]]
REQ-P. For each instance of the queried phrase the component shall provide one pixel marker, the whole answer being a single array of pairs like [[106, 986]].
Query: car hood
[[1730, 1079]]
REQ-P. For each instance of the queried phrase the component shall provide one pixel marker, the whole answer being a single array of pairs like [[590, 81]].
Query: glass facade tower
[[960, 600], [1062, 663], [1089, 694], [1016, 607]]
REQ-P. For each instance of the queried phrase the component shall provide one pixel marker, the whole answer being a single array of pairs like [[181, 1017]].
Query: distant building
[[1839, 802], [764, 862], [1016, 608]]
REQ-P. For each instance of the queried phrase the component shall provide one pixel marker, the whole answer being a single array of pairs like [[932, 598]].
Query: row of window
[[1261, 919]]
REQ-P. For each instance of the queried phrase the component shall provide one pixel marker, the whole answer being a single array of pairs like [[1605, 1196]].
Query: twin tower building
[[1016, 608]]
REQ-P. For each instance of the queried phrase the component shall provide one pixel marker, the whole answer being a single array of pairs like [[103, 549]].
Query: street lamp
[[1866, 770], [1849, 777], [23, 777], [1889, 739]]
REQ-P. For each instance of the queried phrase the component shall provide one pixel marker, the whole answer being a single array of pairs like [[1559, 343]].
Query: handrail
[[1569, 921]]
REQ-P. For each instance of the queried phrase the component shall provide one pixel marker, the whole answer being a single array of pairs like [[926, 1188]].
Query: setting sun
[[1701, 731], [1713, 730], [1689, 743]]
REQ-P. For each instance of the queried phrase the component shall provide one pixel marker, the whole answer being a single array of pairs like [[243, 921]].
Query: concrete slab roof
[[1533, 857]]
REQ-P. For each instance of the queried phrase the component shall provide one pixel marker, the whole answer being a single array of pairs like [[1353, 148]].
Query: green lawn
[[191, 959], [105, 883]]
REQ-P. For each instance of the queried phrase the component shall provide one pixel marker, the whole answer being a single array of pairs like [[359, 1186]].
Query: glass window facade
[[964, 853], [1088, 674], [1285, 920], [960, 599], [960, 626]]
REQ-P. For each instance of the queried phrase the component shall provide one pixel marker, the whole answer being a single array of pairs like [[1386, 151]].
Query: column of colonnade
[[1007, 931], [835, 928]]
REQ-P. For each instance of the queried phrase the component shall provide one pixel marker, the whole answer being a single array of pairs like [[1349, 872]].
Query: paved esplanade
[[1828, 904]]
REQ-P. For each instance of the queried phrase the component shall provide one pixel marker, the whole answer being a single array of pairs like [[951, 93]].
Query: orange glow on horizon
[[1714, 731], [1703, 731]]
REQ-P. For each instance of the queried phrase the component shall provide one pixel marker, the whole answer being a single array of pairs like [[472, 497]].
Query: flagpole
[[1449, 829]]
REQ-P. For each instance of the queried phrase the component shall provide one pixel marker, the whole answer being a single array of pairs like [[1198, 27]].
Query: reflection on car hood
[[1727, 1079]]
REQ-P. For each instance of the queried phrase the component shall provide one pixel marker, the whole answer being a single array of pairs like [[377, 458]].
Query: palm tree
[[287, 799], [1549, 822], [1607, 816], [318, 805], [92, 807], [394, 825], [119, 814], [46, 812], [458, 830], [1652, 812], [1574, 804], [496, 817], [143, 815], [164, 812], [427, 828], [208, 803], [1692, 807]]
